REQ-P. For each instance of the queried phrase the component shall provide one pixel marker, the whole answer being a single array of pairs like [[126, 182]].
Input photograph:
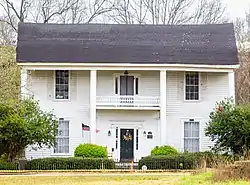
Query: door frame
[[119, 141], [117, 75]]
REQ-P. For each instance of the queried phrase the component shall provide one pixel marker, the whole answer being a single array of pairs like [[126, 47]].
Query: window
[[127, 85], [191, 136], [192, 86], [62, 84], [62, 139]]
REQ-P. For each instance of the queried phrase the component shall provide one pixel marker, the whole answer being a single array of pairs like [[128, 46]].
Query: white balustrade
[[128, 101]]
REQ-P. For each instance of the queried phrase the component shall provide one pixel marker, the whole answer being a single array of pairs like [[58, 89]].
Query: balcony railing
[[127, 101]]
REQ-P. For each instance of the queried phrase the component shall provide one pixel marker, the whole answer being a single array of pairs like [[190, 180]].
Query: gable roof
[[212, 44]]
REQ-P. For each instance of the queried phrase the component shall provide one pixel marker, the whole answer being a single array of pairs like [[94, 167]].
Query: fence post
[[132, 166], [21, 164], [102, 165]]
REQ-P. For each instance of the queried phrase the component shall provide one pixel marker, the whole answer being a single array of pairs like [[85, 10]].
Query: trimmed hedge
[[69, 164], [185, 161], [8, 166], [90, 151], [164, 150], [174, 161]]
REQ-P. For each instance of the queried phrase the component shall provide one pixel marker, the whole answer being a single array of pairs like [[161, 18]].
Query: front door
[[127, 144]]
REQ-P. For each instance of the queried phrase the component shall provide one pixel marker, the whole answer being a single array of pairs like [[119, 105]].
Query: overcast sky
[[237, 8]]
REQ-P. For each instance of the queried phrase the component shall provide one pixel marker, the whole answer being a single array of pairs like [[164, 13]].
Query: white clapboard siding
[[174, 92], [213, 87], [76, 109], [50, 84], [149, 82]]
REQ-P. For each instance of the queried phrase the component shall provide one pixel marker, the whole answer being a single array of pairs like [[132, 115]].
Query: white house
[[127, 87]]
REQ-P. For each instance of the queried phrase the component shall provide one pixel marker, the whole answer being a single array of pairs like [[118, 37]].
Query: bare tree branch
[[242, 27], [168, 11]]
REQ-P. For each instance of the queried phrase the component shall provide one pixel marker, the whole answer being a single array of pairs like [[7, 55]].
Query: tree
[[23, 123], [242, 30], [229, 128], [168, 11], [9, 74]]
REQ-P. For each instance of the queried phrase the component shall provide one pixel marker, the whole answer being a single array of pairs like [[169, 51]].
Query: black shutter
[[116, 85], [136, 86]]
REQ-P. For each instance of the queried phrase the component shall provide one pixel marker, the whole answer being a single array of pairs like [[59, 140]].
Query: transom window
[[191, 136], [62, 84], [192, 86], [62, 139]]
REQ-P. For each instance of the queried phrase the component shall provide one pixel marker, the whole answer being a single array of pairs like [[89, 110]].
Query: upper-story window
[[62, 84], [192, 83]]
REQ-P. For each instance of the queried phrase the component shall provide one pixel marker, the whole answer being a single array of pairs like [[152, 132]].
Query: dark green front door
[[127, 144]]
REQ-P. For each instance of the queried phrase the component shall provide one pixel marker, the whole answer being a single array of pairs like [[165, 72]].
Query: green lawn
[[205, 179]]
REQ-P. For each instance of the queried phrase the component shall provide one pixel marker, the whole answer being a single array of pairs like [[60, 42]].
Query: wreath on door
[[127, 137]]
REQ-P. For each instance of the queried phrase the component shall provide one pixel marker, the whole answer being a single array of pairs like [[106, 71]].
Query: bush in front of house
[[91, 151], [171, 161], [164, 150], [186, 160], [70, 163], [5, 165], [214, 160], [8, 166]]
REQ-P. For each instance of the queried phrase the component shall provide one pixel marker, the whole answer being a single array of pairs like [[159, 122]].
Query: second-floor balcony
[[128, 102]]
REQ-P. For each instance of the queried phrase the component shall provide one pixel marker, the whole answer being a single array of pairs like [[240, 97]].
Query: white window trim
[[117, 75], [64, 154], [200, 120], [54, 88], [185, 100]]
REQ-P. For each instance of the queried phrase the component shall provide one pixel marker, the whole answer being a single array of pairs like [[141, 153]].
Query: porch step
[[126, 165]]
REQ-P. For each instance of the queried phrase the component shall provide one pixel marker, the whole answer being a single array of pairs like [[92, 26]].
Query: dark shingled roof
[[113, 43]]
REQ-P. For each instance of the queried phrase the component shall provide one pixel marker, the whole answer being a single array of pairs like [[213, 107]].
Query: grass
[[206, 179]]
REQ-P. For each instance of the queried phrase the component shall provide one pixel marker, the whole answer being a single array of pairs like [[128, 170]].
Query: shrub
[[69, 164], [185, 160], [163, 150], [214, 160], [8, 166], [239, 171], [90, 151], [171, 161]]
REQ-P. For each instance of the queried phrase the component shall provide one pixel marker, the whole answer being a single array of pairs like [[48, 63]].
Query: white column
[[163, 105], [93, 106], [24, 81], [231, 85]]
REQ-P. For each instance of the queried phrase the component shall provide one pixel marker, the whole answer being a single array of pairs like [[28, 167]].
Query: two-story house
[[127, 87]]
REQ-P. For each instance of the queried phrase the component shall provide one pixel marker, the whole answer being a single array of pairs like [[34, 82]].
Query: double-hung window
[[191, 136], [62, 139], [192, 83], [62, 84]]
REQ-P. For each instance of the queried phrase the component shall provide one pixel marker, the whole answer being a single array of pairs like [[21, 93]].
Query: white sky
[[237, 8]]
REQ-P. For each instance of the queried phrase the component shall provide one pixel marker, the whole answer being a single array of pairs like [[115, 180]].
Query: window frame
[[117, 76], [183, 120], [53, 148], [199, 86], [54, 86]]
